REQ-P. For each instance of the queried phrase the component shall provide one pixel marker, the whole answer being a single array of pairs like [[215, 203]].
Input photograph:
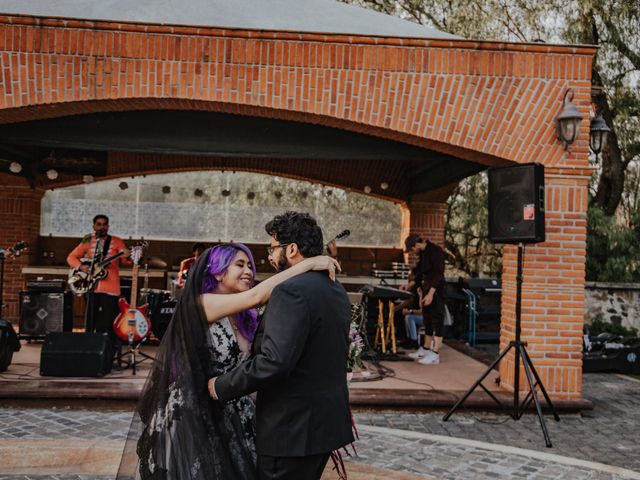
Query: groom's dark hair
[[299, 228]]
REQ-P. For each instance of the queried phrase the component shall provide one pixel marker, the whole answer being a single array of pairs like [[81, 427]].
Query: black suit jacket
[[298, 369]]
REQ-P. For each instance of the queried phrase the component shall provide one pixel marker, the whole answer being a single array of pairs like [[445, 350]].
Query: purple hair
[[220, 257]]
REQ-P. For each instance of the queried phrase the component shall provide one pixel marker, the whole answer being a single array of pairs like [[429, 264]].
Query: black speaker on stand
[[516, 216], [516, 204]]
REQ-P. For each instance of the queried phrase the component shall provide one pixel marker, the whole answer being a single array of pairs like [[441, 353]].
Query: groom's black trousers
[[291, 468]]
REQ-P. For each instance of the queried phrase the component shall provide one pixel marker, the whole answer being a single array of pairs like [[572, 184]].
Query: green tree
[[467, 246], [613, 249], [611, 24]]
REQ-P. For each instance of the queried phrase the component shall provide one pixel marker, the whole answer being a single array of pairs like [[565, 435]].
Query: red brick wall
[[20, 217], [427, 219]]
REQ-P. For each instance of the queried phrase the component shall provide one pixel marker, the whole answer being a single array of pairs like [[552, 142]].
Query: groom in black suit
[[299, 361]]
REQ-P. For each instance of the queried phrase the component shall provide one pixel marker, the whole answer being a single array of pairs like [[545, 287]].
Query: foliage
[[467, 246], [598, 326], [613, 250], [613, 25]]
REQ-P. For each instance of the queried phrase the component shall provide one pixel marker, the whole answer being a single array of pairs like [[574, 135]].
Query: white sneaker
[[419, 353], [432, 358]]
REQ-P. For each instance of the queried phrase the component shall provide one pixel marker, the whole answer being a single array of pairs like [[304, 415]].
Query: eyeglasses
[[271, 248]]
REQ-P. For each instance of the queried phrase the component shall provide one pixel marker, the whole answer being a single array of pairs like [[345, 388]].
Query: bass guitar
[[132, 323]]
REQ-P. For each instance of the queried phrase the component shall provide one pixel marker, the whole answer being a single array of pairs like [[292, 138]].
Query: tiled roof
[[322, 16]]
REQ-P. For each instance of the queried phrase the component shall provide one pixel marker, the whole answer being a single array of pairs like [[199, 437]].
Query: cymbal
[[154, 262]]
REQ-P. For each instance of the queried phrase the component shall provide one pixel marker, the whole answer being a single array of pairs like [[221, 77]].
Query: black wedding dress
[[178, 432]]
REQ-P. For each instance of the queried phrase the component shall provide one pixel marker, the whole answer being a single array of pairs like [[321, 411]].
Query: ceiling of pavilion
[[327, 16], [86, 144]]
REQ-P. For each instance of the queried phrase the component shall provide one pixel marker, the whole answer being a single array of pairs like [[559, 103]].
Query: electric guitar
[[80, 282], [132, 323], [341, 235], [334, 249], [14, 251]]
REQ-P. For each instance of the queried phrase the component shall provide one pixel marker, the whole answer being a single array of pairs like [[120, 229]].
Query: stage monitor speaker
[[516, 204], [9, 343], [76, 355], [41, 313]]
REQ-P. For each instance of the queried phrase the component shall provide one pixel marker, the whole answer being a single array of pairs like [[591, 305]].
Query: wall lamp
[[568, 120], [598, 132]]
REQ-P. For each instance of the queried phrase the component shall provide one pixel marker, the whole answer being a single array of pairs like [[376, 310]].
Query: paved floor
[[472, 445]]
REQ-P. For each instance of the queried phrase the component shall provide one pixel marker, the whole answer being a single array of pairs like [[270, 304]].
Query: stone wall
[[617, 303]]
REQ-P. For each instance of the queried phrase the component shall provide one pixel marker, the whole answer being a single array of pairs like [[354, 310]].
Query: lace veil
[[178, 432]]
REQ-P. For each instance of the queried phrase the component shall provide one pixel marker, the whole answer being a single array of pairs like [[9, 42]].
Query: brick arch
[[481, 101], [47, 111]]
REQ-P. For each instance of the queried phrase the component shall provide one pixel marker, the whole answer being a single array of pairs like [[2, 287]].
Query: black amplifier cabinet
[[42, 312], [76, 355]]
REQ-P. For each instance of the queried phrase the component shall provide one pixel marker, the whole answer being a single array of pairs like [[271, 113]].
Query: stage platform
[[402, 384]]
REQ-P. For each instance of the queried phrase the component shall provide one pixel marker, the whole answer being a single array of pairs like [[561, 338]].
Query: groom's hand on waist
[[212, 388]]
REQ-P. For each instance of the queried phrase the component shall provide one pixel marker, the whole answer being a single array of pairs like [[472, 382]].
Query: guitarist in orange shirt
[[102, 302]]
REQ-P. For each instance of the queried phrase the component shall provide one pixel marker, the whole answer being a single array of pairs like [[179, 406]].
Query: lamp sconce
[[598, 132], [568, 120]]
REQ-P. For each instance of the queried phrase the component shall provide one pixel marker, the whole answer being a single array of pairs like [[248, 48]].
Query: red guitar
[[132, 323]]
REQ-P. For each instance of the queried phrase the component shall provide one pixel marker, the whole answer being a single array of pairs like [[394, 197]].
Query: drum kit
[[161, 307], [161, 303]]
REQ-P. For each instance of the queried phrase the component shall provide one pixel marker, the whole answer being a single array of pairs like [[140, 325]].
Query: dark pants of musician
[[291, 468], [101, 314], [434, 316]]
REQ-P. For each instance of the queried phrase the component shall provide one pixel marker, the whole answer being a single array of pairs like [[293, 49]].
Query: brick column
[[20, 217], [426, 219], [552, 314]]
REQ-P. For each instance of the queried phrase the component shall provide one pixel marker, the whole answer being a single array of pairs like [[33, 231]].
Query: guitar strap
[[105, 248]]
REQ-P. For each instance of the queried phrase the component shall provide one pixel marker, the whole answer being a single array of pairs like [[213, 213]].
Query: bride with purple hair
[[178, 431]]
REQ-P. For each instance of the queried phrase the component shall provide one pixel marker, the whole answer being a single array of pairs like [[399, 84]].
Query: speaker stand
[[517, 408]]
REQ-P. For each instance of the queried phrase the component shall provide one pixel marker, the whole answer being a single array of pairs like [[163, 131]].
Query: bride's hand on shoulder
[[323, 262]]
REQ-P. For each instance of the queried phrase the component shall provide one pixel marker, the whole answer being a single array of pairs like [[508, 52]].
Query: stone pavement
[[408, 445], [610, 433]]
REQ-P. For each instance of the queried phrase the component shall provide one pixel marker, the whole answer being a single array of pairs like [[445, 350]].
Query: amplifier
[[41, 313], [402, 274], [55, 285]]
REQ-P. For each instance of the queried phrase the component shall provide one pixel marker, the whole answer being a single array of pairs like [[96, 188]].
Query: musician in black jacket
[[298, 364], [429, 281]]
